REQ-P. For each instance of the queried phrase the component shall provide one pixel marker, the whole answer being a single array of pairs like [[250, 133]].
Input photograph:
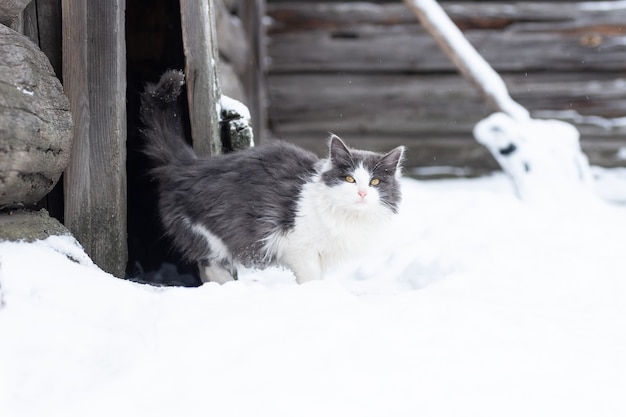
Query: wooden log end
[[35, 123]]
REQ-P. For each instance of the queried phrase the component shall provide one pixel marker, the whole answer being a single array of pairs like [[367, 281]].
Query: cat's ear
[[393, 159], [338, 151]]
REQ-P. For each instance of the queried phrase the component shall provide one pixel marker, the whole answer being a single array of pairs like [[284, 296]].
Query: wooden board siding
[[201, 58], [370, 70], [513, 37], [94, 75]]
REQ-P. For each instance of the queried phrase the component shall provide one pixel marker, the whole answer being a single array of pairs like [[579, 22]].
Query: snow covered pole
[[468, 61], [542, 157]]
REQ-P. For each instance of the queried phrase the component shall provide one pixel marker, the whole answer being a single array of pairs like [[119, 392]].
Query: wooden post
[[203, 90], [252, 15], [10, 13], [94, 75], [468, 61]]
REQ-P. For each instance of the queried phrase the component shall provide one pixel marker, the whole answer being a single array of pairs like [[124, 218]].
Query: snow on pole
[[468, 61], [542, 157]]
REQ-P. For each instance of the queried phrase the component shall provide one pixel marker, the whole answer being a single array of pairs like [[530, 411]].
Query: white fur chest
[[327, 233]]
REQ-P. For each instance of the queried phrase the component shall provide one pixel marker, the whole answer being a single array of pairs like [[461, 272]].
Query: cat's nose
[[362, 193]]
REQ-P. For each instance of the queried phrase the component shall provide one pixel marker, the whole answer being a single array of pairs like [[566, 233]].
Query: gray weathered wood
[[203, 90], [421, 107], [94, 75], [368, 69], [252, 15], [419, 103], [10, 11], [232, 42], [230, 83], [527, 36], [465, 57], [35, 122]]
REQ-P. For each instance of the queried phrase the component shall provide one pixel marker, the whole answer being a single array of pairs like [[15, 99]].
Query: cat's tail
[[162, 121]]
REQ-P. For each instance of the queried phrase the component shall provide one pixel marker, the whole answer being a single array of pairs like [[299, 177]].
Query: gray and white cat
[[276, 204]]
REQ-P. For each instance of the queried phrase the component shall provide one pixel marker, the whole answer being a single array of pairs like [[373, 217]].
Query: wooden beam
[[10, 11], [421, 107], [524, 36], [252, 15], [203, 89], [94, 75]]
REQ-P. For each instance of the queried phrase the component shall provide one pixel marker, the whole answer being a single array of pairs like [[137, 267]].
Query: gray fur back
[[241, 197]]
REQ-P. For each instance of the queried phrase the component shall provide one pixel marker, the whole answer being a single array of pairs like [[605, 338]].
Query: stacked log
[[35, 122], [370, 72], [10, 11]]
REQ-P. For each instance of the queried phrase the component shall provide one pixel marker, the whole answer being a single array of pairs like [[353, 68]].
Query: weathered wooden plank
[[386, 37], [379, 110], [10, 13], [402, 104], [203, 90], [48, 15], [450, 150], [232, 41], [254, 79], [230, 82], [94, 74]]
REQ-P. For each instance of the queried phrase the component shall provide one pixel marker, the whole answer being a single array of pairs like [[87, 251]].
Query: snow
[[542, 157], [477, 304], [229, 104], [602, 5], [575, 117]]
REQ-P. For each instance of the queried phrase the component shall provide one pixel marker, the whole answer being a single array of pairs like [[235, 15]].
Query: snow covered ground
[[477, 304]]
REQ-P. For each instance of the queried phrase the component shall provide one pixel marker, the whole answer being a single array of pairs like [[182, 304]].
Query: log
[[366, 37], [94, 75], [10, 10], [354, 68], [35, 122], [255, 82], [418, 108], [29, 226], [465, 57], [201, 73], [232, 43], [230, 83], [405, 104]]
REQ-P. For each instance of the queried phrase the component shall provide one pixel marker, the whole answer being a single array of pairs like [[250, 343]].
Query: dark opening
[[154, 45]]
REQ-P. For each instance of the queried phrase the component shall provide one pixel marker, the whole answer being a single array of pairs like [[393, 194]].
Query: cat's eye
[[350, 179], [375, 182]]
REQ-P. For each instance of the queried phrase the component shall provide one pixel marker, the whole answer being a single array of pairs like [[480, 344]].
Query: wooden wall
[[370, 73], [105, 51], [94, 79]]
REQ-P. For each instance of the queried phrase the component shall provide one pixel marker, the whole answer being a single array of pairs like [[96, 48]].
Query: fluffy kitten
[[275, 204]]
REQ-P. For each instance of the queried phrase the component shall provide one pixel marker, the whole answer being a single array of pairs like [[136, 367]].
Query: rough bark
[[35, 122], [10, 10]]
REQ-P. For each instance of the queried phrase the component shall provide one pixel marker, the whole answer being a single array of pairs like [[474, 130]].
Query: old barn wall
[[367, 71]]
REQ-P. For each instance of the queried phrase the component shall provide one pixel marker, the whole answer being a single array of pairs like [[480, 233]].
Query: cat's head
[[363, 180]]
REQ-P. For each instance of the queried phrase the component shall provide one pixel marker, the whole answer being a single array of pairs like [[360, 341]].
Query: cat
[[275, 204]]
